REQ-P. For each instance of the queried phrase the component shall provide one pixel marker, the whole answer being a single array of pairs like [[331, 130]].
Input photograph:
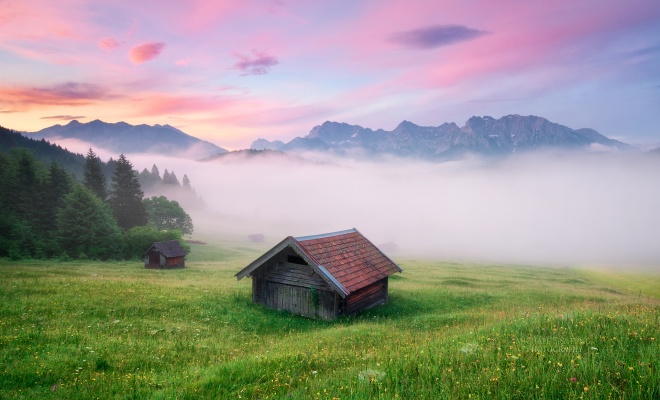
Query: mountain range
[[122, 137], [480, 135]]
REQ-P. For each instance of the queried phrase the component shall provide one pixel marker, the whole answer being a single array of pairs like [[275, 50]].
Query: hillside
[[46, 152], [122, 137]]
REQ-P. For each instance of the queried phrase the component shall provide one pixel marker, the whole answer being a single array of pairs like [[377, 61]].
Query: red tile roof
[[350, 258]]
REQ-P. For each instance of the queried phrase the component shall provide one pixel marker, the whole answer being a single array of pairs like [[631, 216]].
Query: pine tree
[[93, 176], [147, 179], [126, 198], [186, 183], [155, 172], [57, 187], [85, 225], [170, 178]]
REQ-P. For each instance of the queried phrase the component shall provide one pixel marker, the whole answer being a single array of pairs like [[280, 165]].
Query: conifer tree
[[93, 177], [126, 198], [58, 185], [155, 172], [85, 225], [170, 178], [186, 183]]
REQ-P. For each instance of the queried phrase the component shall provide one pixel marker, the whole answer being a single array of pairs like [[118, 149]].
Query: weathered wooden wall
[[163, 262], [369, 296], [284, 285]]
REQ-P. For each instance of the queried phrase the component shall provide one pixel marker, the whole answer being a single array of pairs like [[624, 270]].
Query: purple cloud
[[259, 64], [435, 36], [64, 117], [73, 91]]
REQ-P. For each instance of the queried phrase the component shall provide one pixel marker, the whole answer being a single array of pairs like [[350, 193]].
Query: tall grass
[[116, 330]]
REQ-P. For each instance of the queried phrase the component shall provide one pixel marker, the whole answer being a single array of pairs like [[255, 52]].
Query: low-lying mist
[[544, 208]]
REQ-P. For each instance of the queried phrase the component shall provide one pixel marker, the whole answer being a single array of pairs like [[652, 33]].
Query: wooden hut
[[321, 276], [165, 255]]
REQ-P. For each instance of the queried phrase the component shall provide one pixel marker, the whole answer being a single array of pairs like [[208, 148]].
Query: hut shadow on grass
[[433, 308]]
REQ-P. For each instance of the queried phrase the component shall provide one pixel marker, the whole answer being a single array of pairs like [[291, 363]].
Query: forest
[[77, 207]]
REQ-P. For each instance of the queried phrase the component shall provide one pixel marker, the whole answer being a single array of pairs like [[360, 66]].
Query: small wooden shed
[[321, 276], [165, 255]]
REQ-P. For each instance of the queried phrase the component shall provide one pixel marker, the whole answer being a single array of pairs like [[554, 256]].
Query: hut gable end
[[288, 267]]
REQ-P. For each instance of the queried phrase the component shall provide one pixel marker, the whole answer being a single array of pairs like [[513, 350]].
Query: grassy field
[[115, 330]]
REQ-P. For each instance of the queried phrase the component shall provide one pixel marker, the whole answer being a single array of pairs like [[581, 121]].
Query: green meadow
[[113, 330]]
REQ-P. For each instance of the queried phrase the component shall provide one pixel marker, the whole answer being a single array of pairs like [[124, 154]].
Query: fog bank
[[533, 208]]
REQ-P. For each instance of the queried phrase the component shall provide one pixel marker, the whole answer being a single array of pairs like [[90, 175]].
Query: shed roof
[[170, 248], [346, 260]]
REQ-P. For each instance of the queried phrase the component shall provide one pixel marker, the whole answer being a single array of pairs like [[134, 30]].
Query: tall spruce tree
[[186, 183], [85, 226], [93, 177], [169, 178], [58, 185], [126, 197]]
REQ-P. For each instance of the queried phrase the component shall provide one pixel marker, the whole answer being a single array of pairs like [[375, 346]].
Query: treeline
[[170, 186], [45, 212]]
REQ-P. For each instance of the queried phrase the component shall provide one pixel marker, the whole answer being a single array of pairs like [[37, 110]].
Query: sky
[[233, 71]]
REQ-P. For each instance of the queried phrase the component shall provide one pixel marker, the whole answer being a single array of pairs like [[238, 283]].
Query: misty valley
[[530, 275]]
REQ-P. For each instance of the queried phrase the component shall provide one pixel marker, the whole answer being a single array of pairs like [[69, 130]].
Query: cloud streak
[[67, 94], [259, 64], [64, 117], [432, 37], [145, 52]]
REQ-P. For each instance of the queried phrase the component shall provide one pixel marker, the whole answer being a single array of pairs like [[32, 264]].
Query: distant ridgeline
[[484, 136], [122, 137]]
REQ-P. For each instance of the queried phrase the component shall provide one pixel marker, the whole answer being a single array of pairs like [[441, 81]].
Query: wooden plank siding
[[284, 285], [369, 296], [157, 260]]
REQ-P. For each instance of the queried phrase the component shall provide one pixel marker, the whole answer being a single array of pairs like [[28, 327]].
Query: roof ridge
[[325, 235]]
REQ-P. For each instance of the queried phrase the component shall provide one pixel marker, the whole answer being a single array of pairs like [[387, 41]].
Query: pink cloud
[[108, 43], [184, 62], [156, 104], [145, 52]]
